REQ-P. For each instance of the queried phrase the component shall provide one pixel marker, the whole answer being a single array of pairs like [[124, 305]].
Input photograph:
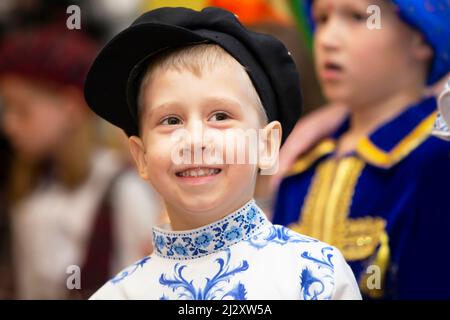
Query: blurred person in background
[[374, 187], [5, 238], [68, 198]]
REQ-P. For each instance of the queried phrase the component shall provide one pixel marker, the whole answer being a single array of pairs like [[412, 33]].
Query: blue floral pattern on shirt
[[313, 287], [213, 288], [279, 235], [129, 271], [238, 226]]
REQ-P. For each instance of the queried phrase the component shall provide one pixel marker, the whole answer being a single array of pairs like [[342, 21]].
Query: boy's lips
[[198, 175], [331, 71]]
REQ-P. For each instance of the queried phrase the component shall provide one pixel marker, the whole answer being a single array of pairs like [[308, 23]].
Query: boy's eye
[[320, 18], [219, 116], [356, 16], [171, 121]]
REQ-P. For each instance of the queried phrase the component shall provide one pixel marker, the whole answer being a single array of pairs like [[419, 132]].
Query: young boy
[[178, 70], [376, 188]]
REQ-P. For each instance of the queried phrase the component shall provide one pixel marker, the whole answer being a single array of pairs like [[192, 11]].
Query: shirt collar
[[233, 228], [441, 128], [386, 146]]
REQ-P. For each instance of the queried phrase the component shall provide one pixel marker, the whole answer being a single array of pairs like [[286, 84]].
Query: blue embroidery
[[213, 288], [220, 235], [325, 261], [203, 240], [237, 293], [279, 235], [312, 287], [179, 249], [129, 271], [160, 243], [233, 234]]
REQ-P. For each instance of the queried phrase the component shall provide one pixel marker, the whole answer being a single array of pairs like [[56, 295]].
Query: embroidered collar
[[235, 227], [387, 145]]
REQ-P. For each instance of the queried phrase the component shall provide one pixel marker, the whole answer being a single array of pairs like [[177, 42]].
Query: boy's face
[[181, 102], [34, 118], [356, 64]]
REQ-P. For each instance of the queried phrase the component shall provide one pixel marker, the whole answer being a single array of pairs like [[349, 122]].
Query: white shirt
[[52, 226], [242, 256]]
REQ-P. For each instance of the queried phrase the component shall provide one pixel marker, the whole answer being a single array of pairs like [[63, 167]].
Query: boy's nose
[[196, 133], [329, 37], [195, 128]]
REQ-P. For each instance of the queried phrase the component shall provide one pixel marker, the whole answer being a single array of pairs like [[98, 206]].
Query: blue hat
[[432, 19]]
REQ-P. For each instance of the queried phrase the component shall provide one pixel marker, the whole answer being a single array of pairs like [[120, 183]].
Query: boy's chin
[[336, 94], [201, 202], [343, 97]]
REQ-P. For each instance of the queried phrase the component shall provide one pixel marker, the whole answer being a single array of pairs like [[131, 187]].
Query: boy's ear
[[422, 50], [137, 150], [270, 142]]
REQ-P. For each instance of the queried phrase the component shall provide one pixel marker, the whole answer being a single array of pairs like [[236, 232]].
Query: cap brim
[[106, 83]]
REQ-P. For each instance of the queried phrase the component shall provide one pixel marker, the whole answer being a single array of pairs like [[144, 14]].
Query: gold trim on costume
[[302, 164], [376, 156], [325, 215], [381, 260], [325, 212]]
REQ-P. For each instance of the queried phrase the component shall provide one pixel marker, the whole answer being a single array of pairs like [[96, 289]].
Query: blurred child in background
[[66, 194], [375, 187]]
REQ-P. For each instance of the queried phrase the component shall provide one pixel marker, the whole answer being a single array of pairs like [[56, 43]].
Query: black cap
[[112, 83]]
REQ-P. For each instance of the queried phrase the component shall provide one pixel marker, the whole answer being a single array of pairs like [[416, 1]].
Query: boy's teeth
[[199, 172]]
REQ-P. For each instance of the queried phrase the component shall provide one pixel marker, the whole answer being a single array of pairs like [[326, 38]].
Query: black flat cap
[[112, 83]]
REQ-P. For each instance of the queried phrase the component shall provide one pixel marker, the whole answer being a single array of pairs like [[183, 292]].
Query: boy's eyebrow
[[329, 6], [218, 101], [222, 102], [317, 6], [164, 105], [358, 5]]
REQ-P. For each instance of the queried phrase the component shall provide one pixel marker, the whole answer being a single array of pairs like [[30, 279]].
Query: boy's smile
[[219, 99], [195, 175]]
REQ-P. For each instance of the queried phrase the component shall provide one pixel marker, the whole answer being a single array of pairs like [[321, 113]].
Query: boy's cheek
[[158, 161]]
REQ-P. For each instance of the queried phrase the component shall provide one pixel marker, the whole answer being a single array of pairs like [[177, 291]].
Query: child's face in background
[[218, 99], [357, 65], [34, 118]]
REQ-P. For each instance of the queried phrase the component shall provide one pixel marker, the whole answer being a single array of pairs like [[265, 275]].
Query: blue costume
[[385, 205]]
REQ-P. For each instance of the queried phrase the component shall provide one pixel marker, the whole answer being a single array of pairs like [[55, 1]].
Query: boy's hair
[[196, 59]]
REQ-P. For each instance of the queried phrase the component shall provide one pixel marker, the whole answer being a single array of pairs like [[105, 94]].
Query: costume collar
[[441, 128], [235, 227], [387, 145]]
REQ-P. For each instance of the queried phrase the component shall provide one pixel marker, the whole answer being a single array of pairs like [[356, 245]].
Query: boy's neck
[[181, 220], [366, 119]]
